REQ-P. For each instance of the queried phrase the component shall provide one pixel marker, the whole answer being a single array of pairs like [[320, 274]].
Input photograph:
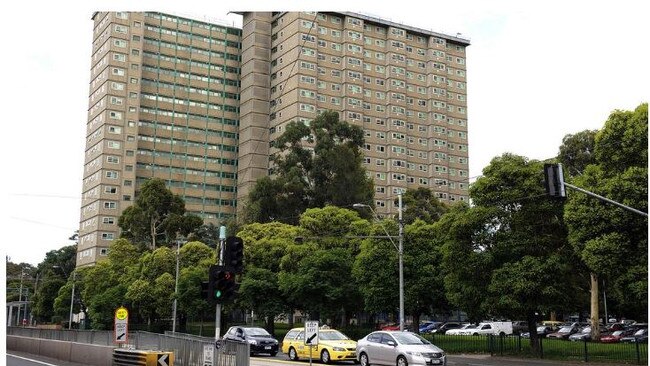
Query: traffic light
[[221, 284], [205, 290], [554, 180], [233, 256]]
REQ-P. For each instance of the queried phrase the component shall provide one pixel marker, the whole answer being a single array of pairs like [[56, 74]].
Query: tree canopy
[[612, 242], [156, 215], [315, 166]]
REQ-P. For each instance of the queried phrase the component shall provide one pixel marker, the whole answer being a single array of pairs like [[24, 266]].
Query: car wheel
[[293, 356], [363, 359], [273, 354], [401, 361], [325, 356]]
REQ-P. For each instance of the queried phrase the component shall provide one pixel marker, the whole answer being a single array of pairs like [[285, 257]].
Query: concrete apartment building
[[198, 104]]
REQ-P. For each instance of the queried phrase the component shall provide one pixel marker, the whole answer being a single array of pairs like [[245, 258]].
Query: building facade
[[163, 102], [198, 105]]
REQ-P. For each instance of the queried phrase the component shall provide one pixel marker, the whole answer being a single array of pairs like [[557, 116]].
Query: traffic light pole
[[217, 317], [605, 199]]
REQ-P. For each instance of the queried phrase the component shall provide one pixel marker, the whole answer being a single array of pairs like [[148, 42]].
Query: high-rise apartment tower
[[198, 105]]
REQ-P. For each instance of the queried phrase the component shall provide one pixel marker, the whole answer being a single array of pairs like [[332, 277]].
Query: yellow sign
[[121, 313]]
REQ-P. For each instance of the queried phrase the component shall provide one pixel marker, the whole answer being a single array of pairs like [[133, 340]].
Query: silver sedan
[[398, 348]]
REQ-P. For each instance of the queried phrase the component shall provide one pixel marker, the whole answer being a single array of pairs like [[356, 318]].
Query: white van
[[496, 328]]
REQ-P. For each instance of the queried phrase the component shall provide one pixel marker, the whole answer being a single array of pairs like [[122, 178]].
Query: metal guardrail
[[187, 348]]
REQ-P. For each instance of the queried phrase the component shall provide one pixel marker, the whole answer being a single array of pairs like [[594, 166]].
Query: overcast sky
[[537, 71]]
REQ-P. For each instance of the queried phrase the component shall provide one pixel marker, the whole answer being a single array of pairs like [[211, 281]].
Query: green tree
[[423, 275], [103, 292], [613, 242], [315, 166], [520, 242], [421, 204], [577, 151], [157, 214], [323, 249], [264, 246], [53, 273]]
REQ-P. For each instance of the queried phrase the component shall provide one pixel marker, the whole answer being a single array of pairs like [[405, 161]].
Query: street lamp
[[179, 242], [400, 252], [74, 279], [20, 296]]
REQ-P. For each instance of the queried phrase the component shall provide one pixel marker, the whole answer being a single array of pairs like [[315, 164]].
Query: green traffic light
[[217, 294]]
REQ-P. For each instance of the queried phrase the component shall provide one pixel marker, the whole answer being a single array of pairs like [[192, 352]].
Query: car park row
[[394, 347]]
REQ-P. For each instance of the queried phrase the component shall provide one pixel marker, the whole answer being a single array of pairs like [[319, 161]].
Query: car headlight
[[417, 354], [338, 349], [252, 341]]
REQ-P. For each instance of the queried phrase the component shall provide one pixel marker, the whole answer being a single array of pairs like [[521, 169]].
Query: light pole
[[178, 252], [74, 279], [20, 296], [400, 252]]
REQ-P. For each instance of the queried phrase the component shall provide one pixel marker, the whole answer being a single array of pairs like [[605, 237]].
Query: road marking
[[32, 360]]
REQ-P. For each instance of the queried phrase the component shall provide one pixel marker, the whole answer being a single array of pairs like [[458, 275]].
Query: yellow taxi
[[332, 346]]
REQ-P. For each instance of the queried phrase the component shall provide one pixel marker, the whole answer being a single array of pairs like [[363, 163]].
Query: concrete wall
[[88, 354]]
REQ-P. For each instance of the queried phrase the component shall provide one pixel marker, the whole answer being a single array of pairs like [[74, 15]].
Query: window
[[119, 43], [110, 205], [121, 29], [117, 86], [111, 174], [107, 236], [108, 220], [113, 144]]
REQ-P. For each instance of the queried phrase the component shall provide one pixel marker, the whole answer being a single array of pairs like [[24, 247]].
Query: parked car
[[464, 330], [259, 339], [519, 326], [563, 333], [583, 335], [332, 346], [426, 327], [442, 329], [552, 323], [398, 348], [542, 331], [640, 336], [616, 336], [496, 328], [390, 326]]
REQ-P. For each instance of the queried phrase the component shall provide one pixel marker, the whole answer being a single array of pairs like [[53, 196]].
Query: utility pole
[[74, 279], [20, 295], [400, 253], [178, 253], [217, 318]]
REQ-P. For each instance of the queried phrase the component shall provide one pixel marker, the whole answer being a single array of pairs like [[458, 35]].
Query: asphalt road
[[24, 359]]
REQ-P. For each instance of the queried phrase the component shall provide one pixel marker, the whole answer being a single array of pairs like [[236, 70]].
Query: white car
[[466, 329], [398, 348]]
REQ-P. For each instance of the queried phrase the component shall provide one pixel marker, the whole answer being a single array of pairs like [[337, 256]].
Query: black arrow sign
[[310, 338], [121, 335]]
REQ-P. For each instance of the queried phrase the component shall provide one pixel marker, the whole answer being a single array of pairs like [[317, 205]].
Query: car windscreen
[[256, 332], [332, 335], [409, 338], [565, 330]]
